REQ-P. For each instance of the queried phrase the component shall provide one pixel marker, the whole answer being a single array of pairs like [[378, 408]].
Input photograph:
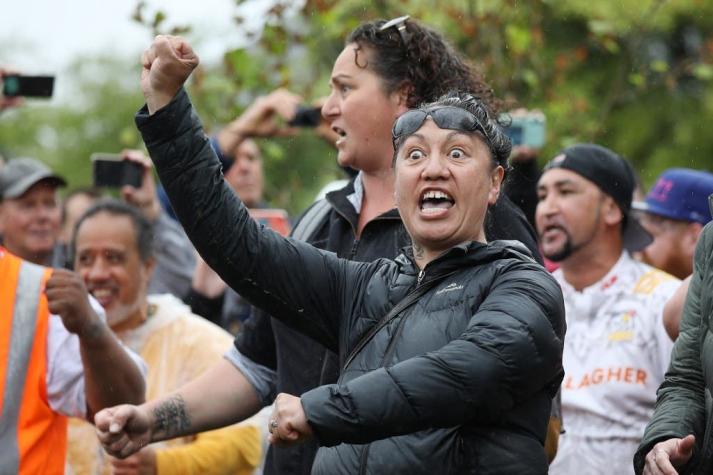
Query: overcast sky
[[43, 36]]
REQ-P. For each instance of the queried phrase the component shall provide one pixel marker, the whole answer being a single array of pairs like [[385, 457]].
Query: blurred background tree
[[634, 75]]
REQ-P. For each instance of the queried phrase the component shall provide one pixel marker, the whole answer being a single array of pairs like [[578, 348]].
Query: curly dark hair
[[422, 59], [498, 142]]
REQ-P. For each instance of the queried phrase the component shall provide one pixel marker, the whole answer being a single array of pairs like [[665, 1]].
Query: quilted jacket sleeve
[[511, 349], [680, 404], [289, 279]]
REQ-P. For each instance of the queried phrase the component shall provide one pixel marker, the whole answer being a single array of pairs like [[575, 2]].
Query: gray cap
[[19, 174]]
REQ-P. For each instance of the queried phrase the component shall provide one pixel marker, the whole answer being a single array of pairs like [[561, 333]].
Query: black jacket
[[302, 363], [459, 383]]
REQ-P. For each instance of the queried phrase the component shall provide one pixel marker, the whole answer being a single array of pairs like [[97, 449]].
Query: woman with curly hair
[[385, 69]]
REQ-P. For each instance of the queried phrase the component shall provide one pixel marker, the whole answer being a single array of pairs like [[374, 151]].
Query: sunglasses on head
[[400, 25], [445, 117]]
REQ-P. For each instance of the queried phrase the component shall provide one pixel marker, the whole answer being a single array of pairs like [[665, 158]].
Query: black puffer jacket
[[460, 382]]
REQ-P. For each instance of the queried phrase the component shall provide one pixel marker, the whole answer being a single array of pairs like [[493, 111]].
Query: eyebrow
[[339, 77], [559, 183]]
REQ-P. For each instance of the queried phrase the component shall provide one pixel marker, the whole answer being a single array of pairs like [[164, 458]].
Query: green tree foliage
[[634, 75]]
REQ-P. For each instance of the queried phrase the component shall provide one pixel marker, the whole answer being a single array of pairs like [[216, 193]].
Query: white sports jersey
[[616, 352]]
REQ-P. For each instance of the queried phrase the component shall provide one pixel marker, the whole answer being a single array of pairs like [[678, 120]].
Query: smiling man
[[616, 350], [29, 209], [112, 250]]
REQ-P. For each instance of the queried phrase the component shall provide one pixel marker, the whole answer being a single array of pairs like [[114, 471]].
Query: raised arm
[[291, 280], [111, 377]]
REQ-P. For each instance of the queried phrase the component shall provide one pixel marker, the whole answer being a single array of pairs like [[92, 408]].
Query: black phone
[[112, 171], [14, 85], [306, 116]]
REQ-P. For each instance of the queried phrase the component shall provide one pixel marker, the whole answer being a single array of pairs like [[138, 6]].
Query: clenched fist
[[68, 297], [165, 67]]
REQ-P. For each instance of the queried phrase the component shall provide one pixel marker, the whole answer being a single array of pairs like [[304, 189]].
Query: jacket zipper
[[364, 456]]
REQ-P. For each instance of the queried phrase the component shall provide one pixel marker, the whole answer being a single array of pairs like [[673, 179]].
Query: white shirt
[[65, 373], [616, 352]]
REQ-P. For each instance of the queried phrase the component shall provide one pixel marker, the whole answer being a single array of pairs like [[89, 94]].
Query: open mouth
[[339, 131], [434, 201], [551, 231], [103, 295]]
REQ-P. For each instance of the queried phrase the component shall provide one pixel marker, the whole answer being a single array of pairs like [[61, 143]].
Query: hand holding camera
[[16, 86]]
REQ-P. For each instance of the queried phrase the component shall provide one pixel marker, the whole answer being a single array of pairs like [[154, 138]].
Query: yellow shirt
[[177, 347]]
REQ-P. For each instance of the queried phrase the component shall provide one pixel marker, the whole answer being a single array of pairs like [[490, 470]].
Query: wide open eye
[[456, 153], [415, 154]]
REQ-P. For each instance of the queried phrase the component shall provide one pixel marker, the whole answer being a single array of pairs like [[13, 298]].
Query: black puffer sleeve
[[307, 288]]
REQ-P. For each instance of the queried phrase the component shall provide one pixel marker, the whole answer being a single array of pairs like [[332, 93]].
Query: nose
[[98, 271], [330, 108], [436, 168]]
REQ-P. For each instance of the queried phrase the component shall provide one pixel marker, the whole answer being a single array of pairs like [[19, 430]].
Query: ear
[[611, 213], [690, 237], [496, 180], [403, 94], [148, 266]]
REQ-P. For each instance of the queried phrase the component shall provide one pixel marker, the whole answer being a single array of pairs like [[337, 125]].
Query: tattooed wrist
[[171, 417]]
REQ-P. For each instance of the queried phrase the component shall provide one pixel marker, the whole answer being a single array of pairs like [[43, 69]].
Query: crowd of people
[[453, 308]]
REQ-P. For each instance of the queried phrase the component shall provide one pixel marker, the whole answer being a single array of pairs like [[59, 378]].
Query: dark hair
[[499, 144], [88, 191], [143, 228], [424, 61]]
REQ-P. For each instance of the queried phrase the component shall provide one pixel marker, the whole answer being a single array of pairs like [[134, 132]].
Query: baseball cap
[[681, 194], [19, 174], [614, 176]]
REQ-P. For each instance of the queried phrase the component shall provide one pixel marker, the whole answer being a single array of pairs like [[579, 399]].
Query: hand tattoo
[[171, 417]]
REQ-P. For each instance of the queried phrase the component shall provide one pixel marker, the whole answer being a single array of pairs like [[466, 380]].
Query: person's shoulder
[[177, 316], [650, 281]]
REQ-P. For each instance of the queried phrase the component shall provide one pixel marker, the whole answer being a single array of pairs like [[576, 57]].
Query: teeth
[[436, 195], [101, 293]]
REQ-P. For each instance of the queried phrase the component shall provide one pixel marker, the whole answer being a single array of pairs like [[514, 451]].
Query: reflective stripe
[[21, 339]]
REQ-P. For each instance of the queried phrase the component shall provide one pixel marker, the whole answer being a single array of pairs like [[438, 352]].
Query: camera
[[306, 116], [14, 85], [527, 129], [112, 171]]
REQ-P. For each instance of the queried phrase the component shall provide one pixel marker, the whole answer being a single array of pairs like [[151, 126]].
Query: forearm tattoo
[[172, 417]]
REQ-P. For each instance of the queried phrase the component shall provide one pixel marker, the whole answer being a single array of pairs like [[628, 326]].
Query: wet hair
[[422, 60], [499, 144], [143, 228]]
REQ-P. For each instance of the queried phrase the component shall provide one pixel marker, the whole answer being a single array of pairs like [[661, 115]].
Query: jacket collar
[[467, 254]]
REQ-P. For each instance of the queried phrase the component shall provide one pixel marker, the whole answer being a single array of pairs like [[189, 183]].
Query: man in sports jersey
[[616, 349]]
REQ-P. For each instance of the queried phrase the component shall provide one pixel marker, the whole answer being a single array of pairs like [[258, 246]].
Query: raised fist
[[166, 65], [68, 297]]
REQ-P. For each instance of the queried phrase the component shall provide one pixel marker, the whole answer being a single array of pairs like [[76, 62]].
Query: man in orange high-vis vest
[[57, 358]]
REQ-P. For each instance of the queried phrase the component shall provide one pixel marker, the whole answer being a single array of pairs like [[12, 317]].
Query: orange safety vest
[[33, 437]]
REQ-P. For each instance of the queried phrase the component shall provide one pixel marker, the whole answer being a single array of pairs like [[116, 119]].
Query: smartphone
[[527, 130], [110, 170], [273, 218], [306, 116], [27, 86]]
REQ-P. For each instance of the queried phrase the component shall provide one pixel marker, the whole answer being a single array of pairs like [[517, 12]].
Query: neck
[[134, 320], [40, 258], [378, 196], [588, 266]]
